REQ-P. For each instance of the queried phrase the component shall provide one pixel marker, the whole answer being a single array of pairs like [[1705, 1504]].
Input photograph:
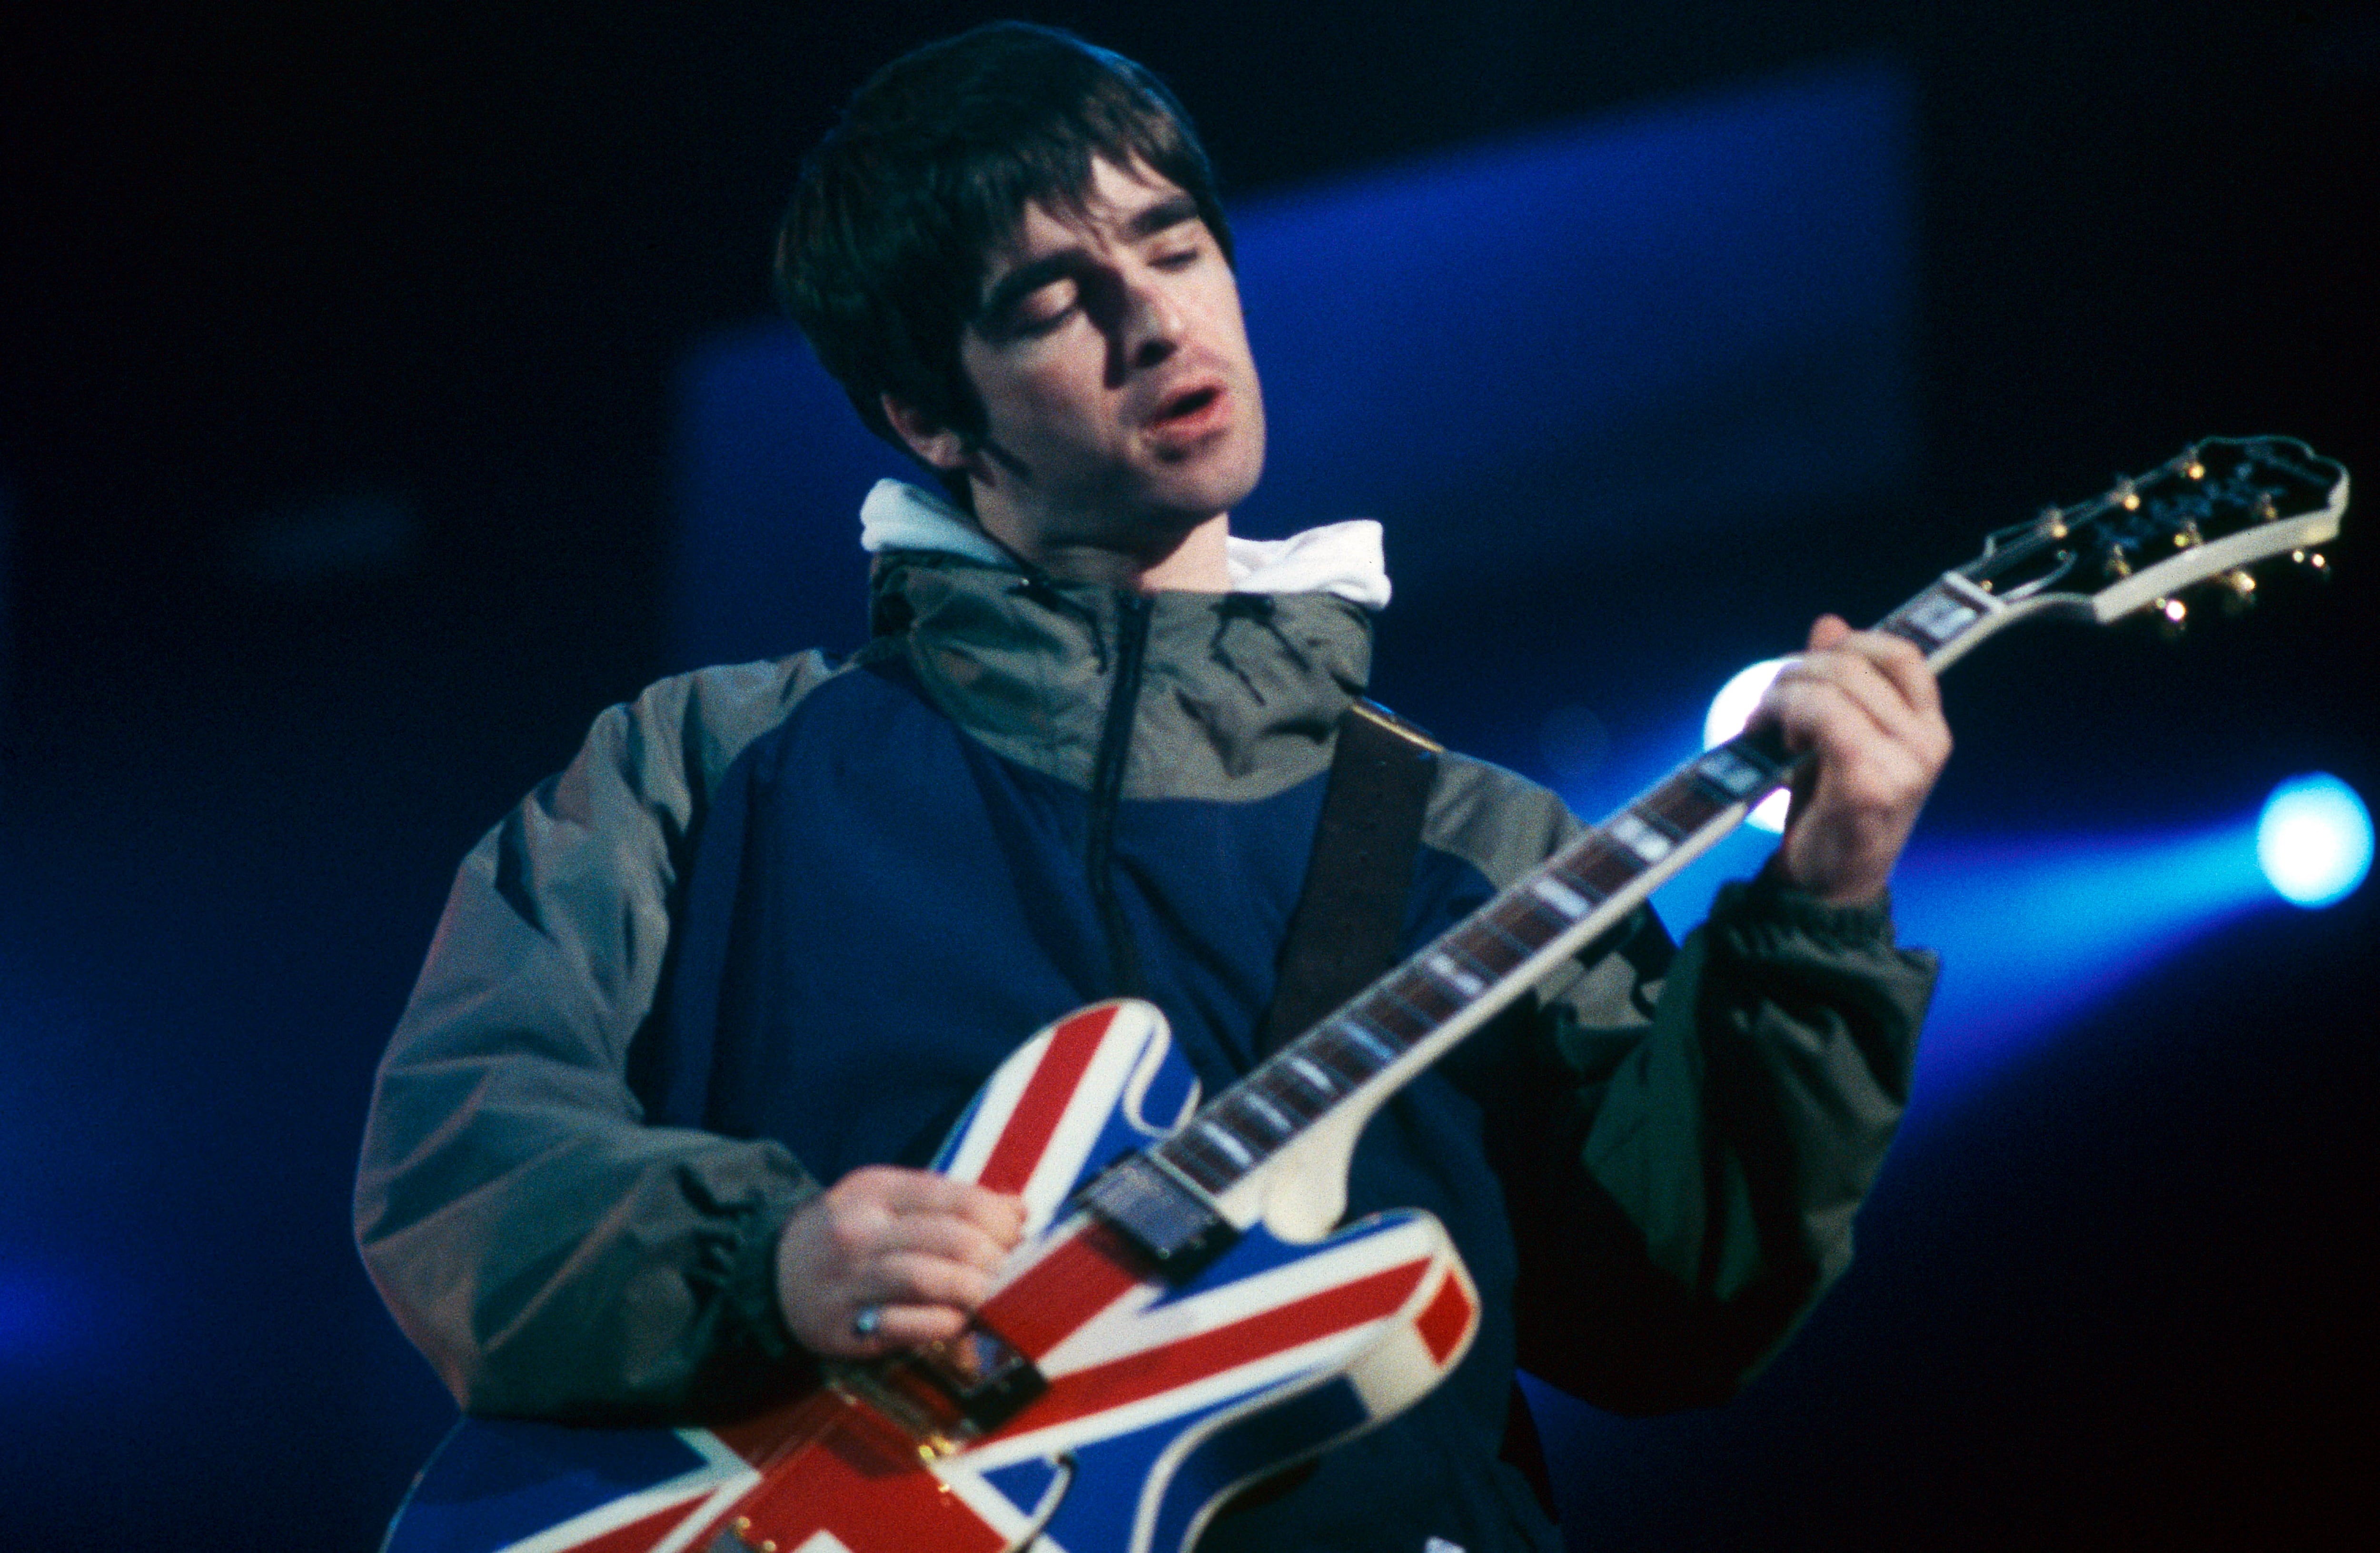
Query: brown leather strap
[[1343, 935]]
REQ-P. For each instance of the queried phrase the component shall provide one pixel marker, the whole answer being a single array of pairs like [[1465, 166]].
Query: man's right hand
[[918, 1249]]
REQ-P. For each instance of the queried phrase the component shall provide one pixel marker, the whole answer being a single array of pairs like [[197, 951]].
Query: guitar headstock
[[2207, 516]]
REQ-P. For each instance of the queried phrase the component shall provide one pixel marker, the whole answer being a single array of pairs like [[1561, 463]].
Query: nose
[[1152, 325]]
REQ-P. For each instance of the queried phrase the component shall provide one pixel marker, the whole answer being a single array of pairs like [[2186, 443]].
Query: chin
[[1215, 484]]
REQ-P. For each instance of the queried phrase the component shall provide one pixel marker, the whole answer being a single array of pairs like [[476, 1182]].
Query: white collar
[[1343, 559]]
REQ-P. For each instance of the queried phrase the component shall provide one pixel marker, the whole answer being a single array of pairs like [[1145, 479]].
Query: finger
[[905, 1325], [904, 1192], [1826, 707], [1896, 656], [1826, 630], [1887, 678], [945, 1235], [1899, 661], [916, 1277]]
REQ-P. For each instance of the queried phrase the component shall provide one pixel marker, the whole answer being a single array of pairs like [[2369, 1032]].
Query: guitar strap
[[1343, 936]]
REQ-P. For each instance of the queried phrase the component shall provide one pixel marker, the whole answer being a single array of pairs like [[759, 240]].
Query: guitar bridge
[[946, 1395]]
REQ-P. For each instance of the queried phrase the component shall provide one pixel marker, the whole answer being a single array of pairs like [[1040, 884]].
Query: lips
[[1190, 410]]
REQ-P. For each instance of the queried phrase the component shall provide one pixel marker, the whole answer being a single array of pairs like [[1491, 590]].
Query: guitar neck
[[1401, 1024], [2203, 517]]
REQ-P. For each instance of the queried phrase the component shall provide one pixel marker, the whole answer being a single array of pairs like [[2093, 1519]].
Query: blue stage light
[[2313, 840], [1729, 711]]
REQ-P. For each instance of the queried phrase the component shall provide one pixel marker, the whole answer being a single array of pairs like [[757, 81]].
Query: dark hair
[[881, 260]]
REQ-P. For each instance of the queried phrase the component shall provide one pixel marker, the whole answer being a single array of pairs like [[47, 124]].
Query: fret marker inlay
[[1471, 986], [1638, 837], [1564, 899]]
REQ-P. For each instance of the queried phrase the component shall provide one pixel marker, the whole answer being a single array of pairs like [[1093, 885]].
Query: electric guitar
[[1183, 1317]]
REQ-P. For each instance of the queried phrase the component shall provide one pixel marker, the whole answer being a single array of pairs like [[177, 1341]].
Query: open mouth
[[1185, 406]]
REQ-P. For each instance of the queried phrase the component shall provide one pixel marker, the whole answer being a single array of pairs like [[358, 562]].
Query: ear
[[938, 446]]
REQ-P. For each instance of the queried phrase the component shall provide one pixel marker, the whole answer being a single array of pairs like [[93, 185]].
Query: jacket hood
[[1341, 559], [1237, 694]]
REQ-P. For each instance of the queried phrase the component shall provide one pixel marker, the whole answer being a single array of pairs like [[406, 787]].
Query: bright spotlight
[[1729, 711], [2313, 840]]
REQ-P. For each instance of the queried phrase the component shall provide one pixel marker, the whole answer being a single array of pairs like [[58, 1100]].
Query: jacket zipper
[[1107, 789]]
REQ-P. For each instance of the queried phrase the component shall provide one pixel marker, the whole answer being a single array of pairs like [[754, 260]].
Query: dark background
[[335, 356]]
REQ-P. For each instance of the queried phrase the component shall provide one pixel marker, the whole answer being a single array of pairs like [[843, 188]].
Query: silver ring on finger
[[867, 1321]]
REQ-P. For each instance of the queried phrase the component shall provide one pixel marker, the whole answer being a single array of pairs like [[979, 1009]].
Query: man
[[646, 1140]]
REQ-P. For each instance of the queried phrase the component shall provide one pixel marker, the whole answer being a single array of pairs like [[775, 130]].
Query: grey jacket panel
[[512, 1207]]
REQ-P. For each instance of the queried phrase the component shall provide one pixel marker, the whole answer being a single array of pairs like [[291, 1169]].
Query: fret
[[1486, 946], [1682, 806], [1246, 1126], [1339, 1051], [1606, 870], [1205, 1167], [1457, 946], [1418, 996], [1934, 618], [1487, 920], [1536, 922], [1652, 812], [1576, 885]]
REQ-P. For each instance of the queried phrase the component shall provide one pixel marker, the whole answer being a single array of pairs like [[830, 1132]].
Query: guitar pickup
[[1173, 1227]]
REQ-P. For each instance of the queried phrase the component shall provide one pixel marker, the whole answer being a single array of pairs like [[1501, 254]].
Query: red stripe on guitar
[[1121, 1382], [1081, 1276], [766, 1435], [862, 1481], [1039, 1111], [1445, 1319]]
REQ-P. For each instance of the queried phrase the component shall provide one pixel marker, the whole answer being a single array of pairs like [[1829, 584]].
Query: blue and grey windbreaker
[[779, 920]]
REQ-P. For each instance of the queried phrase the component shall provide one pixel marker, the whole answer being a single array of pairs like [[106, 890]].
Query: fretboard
[[1408, 1018]]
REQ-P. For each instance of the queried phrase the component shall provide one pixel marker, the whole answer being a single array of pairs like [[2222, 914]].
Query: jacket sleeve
[[1685, 1135], [550, 1253]]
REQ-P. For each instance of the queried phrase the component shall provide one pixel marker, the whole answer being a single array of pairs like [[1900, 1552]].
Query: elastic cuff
[[1767, 896], [752, 1320]]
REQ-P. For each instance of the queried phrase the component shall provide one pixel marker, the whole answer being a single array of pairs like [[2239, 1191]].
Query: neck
[[1194, 564]]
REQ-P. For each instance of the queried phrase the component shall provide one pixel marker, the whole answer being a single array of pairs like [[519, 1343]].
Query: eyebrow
[[1158, 215]]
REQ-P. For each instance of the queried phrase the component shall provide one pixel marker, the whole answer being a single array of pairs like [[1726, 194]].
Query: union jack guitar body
[[1157, 1396], [1182, 1319]]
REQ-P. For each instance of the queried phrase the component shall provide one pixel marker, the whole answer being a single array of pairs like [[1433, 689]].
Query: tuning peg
[[2188, 535], [2117, 566], [2239, 589], [2171, 615], [2313, 561]]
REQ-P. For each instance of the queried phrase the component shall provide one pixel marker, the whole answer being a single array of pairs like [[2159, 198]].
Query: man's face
[[1120, 399]]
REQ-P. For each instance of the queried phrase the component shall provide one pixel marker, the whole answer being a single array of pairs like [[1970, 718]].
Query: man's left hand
[[1866, 706]]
